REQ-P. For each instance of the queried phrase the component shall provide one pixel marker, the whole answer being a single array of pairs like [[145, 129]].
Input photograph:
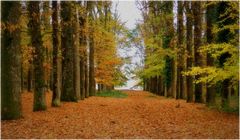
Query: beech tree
[[69, 92], [90, 8], [57, 63], [11, 61], [189, 24], [180, 57], [38, 59]]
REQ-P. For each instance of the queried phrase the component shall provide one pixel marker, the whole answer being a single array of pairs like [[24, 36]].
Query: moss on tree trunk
[[36, 41], [11, 62], [57, 69]]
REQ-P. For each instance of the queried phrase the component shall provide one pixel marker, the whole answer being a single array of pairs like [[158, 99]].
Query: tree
[[90, 7], [168, 35], [189, 79], [76, 61], [11, 61], [47, 42], [211, 12], [83, 49], [181, 50], [37, 44], [68, 92], [197, 15], [56, 53]]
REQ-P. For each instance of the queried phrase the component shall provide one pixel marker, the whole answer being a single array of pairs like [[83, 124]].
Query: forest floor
[[140, 115]]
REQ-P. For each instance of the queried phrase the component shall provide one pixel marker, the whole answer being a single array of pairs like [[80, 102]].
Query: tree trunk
[[211, 19], [225, 93], [46, 28], [197, 43], [181, 49], [29, 78], [68, 91], [57, 65], [91, 51], [11, 62], [91, 68], [86, 75], [83, 51], [76, 61], [82, 79], [189, 79], [38, 60], [168, 34]]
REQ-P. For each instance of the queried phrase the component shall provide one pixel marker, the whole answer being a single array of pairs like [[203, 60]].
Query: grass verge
[[112, 93]]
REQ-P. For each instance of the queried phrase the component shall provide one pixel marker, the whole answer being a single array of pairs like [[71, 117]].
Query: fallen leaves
[[136, 116]]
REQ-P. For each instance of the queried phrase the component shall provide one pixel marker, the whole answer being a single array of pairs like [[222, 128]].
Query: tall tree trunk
[[166, 44], [196, 5], [57, 65], [189, 79], [181, 49], [36, 40], [82, 79], [46, 28], [91, 68], [22, 77], [68, 91], [83, 49], [86, 74], [76, 60], [211, 19], [11, 62], [91, 51], [29, 78]]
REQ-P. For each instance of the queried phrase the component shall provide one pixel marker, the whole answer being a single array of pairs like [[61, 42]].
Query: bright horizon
[[129, 13]]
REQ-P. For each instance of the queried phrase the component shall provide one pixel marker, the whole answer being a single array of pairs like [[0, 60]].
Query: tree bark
[[29, 78], [91, 68], [91, 52], [57, 65], [11, 62], [180, 57], [189, 79], [46, 28], [86, 74], [197, 43], [36, 41], [83, 45], [68, 91], [76, 60], [211, 19]]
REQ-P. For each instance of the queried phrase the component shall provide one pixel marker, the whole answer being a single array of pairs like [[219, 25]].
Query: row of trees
[[67, 47], [191, 49]]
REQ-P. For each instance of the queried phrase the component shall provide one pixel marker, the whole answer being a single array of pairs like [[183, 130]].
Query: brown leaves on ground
[[140, 115]]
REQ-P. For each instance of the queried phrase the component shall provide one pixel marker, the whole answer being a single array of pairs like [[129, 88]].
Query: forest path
[[140, 115]]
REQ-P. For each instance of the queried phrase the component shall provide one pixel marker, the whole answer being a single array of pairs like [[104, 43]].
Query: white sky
[[129, 13]]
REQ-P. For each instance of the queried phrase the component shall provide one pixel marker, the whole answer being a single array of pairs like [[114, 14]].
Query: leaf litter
[[136, 116]]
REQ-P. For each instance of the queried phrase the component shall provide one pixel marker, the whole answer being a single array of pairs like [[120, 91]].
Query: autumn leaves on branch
[[66, 47], [184, 58]]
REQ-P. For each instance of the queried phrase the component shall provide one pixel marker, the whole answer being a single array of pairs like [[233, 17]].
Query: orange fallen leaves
[[140, 115]]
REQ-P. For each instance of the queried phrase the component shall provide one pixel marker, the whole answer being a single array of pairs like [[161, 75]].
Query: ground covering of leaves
[[140, 115]]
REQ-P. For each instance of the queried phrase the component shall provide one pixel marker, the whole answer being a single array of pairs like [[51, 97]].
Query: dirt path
[[140, 115]]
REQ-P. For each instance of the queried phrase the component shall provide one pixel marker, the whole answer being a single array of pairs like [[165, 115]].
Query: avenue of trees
[[191, 49], [68, 47]]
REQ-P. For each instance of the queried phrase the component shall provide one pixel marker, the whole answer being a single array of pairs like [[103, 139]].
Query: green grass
[[112, 93]]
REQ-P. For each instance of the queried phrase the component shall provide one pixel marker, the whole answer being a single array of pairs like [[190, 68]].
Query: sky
[[130, 14]]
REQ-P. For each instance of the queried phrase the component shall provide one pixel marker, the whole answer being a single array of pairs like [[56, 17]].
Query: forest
[[61, 68]]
